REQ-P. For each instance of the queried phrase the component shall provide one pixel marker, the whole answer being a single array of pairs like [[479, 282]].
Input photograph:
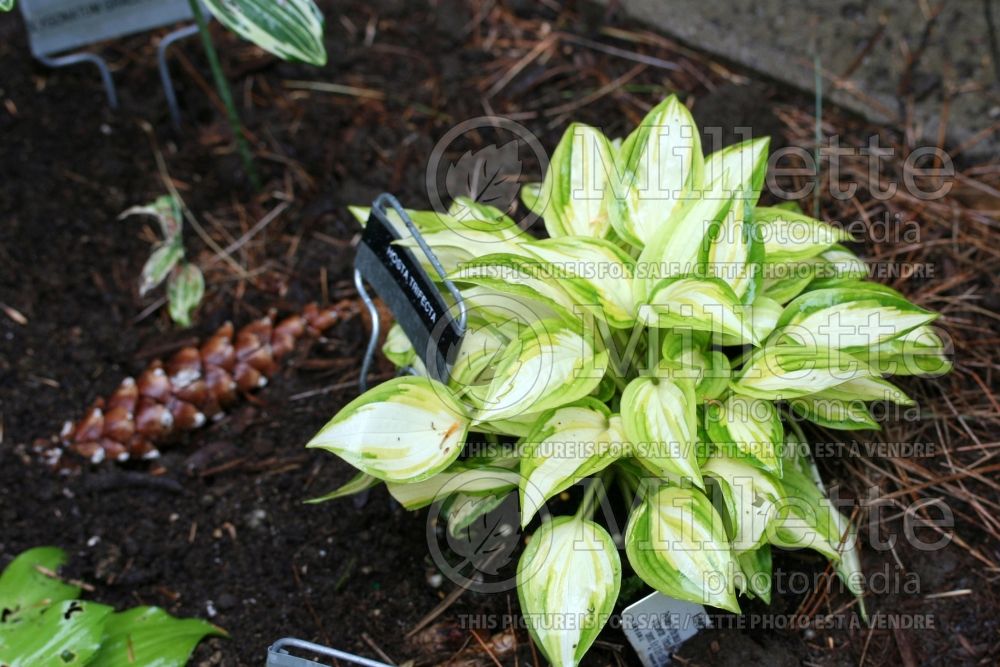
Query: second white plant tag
[[656, 625]]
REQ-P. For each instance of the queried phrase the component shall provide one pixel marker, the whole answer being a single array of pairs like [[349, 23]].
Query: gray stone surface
[[864, 49]]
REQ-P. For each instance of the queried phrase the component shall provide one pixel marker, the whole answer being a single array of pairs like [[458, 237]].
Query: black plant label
[[414, 299]]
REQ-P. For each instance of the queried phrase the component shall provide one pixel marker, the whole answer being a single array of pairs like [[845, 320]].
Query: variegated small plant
[[667, 338], [185, 282], [290, 29]]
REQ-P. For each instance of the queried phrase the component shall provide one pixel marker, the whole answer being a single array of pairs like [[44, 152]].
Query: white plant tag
[[656, 625]]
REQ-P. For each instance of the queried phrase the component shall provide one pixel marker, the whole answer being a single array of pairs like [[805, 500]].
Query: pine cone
[[196, 385]]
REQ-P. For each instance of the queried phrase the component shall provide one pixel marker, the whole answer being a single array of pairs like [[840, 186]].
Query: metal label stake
[[57, 26], [278, 655], [414, 299]]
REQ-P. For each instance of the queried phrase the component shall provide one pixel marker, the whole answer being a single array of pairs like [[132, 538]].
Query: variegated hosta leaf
[[755, 570], [570, 444], [568, 580], [777, 372], [658, 166], [747, 428], [839, 262], [466, 208], [466, 233], [705, 304], [740, 167], [762, 316], [674, 249], [676, 543], [404, 430], [549, 365], [573, 192], [805, 518], [749, 495], [869, 388], [185, 290], [844, 407], [459, 477], [464, 509], [835, 413], [290, 29], [919, 352], [357, 484], [517, 278], [733, 252], [849, 318], [517, 426], [481, 348], [659, 417], [166, 209], [159, 265], [397, 347], [783, 281], [595, 273], [686, 356], [790, 236]]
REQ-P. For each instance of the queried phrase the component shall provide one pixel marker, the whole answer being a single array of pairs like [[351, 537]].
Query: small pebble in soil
[[92, 542], [809, 634], [210, 609], [256, 519], [435, 580]]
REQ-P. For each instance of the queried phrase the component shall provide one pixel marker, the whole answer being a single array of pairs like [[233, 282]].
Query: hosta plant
[[667, 337], [43, 623]]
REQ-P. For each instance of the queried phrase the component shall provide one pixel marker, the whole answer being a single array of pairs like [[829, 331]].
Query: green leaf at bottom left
[[66, 634], [151, 637]]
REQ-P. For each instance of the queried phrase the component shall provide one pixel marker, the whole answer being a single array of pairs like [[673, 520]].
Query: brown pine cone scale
[[195, 385]]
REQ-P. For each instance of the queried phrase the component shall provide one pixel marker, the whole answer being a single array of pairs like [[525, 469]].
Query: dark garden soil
[[222, 531]]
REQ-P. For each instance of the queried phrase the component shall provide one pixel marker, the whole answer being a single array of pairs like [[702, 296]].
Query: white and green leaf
[[573, 197], [704, 304], [676, 542], [659, 417], [549, 365], [404, 430], [790, 236], [570, 571], [658, 166], [290, 29], [782, 371], [569, 444], [840, 318], [185, 290], [595, 273], [747, 428]]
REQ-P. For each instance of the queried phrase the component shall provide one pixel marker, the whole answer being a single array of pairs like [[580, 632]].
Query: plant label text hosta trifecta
[[407, 289], [667, 339]]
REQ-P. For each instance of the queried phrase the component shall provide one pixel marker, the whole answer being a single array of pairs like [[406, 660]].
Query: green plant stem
[[590, 500], [227, 98]]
